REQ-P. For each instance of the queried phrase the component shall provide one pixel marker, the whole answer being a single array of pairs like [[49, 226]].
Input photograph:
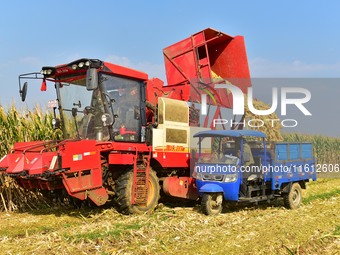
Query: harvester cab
[[100, 108], [94, 101]]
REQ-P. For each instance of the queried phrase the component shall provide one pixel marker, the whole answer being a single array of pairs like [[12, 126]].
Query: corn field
[[22, 126], [35, 125]]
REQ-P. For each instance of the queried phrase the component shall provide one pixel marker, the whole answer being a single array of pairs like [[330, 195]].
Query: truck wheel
[[124, 191], [212, 203], [293, 199]]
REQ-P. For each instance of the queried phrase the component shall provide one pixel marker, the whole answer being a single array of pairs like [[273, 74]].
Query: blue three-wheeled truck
[[240, 166]]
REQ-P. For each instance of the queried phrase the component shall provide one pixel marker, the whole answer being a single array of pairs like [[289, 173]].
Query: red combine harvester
[[125, 136]]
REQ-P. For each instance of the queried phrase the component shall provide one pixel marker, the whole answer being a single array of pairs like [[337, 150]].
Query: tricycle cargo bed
[[291, 162]]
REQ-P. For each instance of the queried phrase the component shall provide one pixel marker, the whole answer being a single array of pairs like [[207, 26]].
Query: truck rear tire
[[212, 203], [124, 191], [293, 199]]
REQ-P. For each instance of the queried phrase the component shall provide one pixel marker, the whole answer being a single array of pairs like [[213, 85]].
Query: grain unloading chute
[[199, 58]]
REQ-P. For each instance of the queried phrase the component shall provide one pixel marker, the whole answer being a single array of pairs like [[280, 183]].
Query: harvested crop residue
[[265, 229]]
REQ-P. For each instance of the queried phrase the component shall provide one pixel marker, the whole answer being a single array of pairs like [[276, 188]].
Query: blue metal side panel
[[294, 162], [307, 150], [292, 172], [281, 152], [294, 151]]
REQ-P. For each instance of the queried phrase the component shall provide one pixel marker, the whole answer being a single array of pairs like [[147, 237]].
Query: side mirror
[[23, 92], [91, 79]]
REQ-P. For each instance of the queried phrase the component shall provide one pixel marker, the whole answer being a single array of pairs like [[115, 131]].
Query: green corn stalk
[[23, 126]]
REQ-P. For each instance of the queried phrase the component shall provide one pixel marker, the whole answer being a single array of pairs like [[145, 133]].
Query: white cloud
[[30, 61], [153, 70], [123, 61], [266, 68]]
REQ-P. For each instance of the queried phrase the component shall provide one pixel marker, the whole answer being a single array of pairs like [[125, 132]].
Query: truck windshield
[[82, 111], [223, 150], [125, 95], [223, 159]]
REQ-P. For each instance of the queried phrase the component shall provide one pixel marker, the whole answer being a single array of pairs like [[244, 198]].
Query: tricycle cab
[[220, 170]]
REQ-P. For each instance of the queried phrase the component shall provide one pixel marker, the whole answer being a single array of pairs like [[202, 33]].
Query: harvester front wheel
[[124, 190], [293, 199], [212, 203]]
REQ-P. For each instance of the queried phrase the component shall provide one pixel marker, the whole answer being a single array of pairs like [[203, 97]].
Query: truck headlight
[[231, 177]]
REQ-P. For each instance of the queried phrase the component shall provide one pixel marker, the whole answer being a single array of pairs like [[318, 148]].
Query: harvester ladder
[[141, 175]]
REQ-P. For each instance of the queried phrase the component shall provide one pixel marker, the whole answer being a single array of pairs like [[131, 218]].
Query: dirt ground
[[314, 228]]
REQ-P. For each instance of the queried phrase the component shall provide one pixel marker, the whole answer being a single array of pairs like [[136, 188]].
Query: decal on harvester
[[77, 157], [3, 158], [33, 161], [54, 160], [89, 153]]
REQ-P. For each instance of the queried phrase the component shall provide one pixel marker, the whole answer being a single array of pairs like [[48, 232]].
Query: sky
[[283, 39]]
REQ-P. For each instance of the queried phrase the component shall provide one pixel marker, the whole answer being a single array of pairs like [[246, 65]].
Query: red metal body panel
[[32, 162], [222, 53], [121, 159], [31, 159], [31, 146], [156, 88], [124, 71], [183, 187], [18, 162], [83, 180], [85, 184], [122, 146], [81, 155], [10, 161], [65, 70], [190, 63], [172, 159], [40, 163]]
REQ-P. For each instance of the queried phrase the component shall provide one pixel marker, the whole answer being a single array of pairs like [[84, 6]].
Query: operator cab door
[[125, 96]]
